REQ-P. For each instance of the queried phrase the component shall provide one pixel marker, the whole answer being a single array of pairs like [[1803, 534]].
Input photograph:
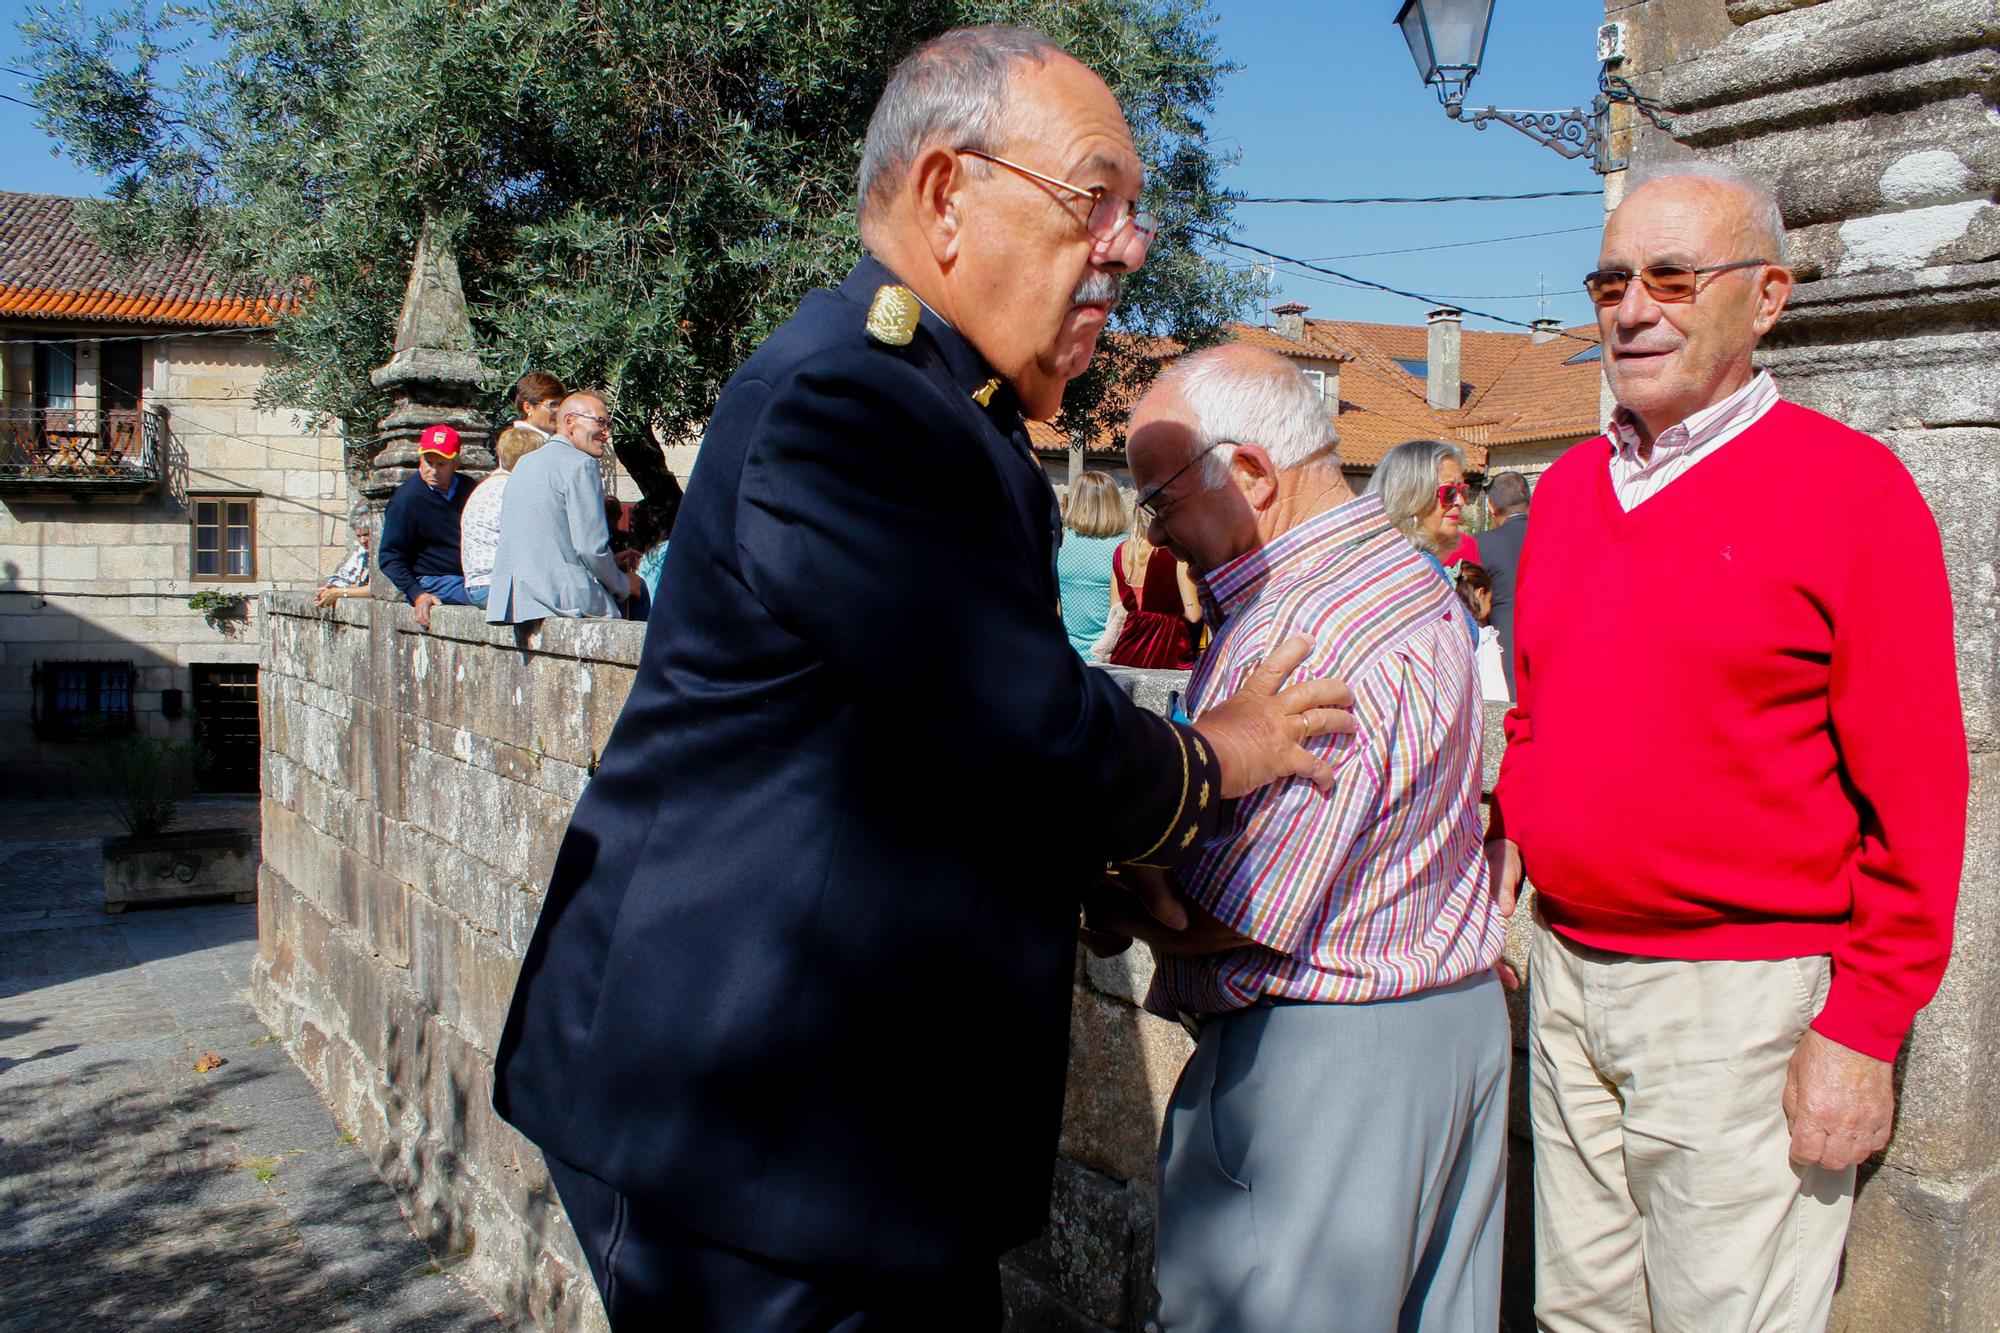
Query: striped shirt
[[1378, 888], [1682, 445], [353, 571]]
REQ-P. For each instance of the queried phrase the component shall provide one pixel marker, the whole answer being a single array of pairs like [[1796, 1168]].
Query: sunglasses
[[1669, 283], [1454, 493], [1110, 212]]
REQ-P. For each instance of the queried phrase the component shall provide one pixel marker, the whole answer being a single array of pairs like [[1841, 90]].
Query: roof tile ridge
[[1520, 350]]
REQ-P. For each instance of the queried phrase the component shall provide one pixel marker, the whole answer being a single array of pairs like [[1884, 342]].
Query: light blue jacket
[[555, 547]]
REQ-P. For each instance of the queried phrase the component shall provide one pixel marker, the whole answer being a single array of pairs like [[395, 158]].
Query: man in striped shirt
[[1338, 961]]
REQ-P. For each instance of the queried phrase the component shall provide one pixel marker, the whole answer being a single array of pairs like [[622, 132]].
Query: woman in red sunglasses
[[1423, 489]]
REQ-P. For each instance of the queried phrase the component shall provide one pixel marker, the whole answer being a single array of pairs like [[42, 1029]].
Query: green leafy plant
[[215, 604], [143, 778], [637, 193]]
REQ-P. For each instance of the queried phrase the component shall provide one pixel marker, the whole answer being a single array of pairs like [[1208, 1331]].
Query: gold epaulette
[[892, 315]]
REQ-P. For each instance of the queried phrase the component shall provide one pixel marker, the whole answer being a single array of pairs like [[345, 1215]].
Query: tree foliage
[[638, 191]]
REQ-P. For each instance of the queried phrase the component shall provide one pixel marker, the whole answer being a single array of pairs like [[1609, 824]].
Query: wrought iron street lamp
[[1448, 40]]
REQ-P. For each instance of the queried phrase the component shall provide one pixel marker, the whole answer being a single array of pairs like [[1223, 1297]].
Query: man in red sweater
[[1747, 891]]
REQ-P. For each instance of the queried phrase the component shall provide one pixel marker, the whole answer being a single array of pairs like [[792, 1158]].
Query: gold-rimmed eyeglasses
[[1110, 212], [1665, 283]]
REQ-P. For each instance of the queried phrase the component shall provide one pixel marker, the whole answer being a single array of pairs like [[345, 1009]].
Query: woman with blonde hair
[[1162, 610], [1093, 524], [479, 525]]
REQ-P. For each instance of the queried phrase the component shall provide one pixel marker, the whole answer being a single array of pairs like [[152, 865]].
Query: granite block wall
[[415, 789]]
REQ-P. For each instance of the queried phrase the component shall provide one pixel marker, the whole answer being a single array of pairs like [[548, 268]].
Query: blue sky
[[1326, 104]]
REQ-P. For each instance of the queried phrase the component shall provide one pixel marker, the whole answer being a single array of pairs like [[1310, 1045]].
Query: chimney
[[1291, 320], [1442, 362], [1546, 331]]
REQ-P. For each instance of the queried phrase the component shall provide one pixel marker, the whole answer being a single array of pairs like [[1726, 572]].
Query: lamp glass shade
[[1447, 37]]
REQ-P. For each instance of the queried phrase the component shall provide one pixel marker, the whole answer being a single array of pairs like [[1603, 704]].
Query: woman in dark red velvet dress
[[1161, 609]]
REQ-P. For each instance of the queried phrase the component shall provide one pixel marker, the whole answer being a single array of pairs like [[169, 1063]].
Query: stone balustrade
[[415, 789]]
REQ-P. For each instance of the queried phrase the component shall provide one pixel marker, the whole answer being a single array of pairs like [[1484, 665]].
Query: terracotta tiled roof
[[1544, 393], [1514, 389], [1310, 347], [50, 268]]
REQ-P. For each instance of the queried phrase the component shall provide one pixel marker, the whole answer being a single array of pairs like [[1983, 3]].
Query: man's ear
[[1774, 289], [934, 189], [1255, 475]]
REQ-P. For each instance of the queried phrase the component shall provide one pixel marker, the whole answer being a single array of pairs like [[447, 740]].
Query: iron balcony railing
[[112, 445]]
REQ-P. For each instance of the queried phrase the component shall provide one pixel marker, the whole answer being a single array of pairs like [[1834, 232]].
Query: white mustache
[[1096, 288]]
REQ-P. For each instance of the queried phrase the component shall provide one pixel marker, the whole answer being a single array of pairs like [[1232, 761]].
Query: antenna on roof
[[1542, 286]]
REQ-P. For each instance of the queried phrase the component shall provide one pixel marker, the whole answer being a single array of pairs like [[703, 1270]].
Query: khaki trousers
[[1664, 1196]]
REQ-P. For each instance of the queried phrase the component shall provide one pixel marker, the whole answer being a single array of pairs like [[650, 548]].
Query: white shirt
[[479, 530], [1680, 447], [1492, 676]]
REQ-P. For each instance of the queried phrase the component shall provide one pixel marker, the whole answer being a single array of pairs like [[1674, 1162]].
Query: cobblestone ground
[[137, 1192]]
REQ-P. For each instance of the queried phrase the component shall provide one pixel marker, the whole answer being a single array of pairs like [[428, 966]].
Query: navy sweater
[[420, 532]]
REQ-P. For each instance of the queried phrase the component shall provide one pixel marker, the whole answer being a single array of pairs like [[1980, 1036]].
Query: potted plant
[[217, 605], [145, 779]]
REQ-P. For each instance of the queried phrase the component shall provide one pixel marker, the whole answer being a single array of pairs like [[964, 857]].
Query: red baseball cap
[[440, 440]]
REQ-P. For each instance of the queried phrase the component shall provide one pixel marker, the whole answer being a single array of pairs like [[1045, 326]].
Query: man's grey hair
[[1762, 204], [952, 90], [1407, 481], [1248, 396]]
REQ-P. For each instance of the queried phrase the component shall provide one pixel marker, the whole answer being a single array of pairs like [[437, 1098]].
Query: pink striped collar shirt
[[1379, 888], [1682, 445]]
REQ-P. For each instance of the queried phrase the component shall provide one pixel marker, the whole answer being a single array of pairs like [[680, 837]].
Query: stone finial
[[433, 334], [434, 376]]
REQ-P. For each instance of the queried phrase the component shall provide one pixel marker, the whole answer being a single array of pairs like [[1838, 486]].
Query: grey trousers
[[1339, 1168]]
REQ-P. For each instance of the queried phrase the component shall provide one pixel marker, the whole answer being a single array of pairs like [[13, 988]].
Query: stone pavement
[[137, 1192]]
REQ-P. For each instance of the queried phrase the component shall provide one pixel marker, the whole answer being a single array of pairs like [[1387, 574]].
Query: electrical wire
[[1426, 199], [1458, 245], [1373, 286], [1553, 294]]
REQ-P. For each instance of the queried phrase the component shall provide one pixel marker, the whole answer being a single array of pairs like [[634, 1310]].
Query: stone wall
[[110, 582], [1876, 127], [415, 789]]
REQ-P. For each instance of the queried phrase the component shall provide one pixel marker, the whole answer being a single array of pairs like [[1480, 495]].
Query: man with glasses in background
[[554, 556], [1334, 1155], [1736, 777], [811, 933]]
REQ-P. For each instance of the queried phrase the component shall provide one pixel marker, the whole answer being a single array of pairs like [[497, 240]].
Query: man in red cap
[[419, 543]]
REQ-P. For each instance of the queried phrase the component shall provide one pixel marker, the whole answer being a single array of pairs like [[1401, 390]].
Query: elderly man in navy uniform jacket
[[792, 1028]]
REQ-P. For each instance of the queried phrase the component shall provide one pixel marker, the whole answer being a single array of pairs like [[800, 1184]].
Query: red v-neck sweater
[[1738, 732]]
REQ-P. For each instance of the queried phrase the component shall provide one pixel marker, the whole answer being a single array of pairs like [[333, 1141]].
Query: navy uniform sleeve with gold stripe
[[1191, 804]]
